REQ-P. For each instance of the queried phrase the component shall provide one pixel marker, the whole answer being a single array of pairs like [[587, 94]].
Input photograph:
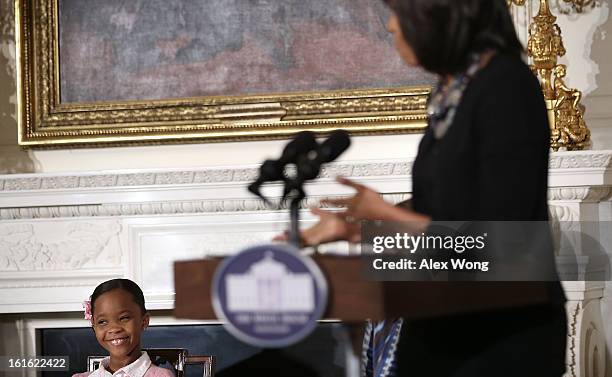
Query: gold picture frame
[[45, 121]]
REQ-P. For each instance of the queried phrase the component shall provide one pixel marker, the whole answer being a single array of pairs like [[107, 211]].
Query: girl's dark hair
[[445, 33], [125, 284]]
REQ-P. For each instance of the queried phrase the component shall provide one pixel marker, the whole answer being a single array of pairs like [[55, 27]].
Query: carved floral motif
[[24, 249]]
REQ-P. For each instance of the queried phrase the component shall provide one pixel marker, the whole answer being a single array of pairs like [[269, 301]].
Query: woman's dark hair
[[445, 33], [125, 284]]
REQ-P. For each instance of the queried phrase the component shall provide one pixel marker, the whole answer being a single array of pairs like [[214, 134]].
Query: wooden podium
[[352, 299]]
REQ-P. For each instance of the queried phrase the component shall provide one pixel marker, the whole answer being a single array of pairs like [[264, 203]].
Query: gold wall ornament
[[570, 130], [544, 46], [566, 114], [45, 121]]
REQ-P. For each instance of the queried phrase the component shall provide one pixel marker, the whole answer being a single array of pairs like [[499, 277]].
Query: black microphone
[[309, 167], [303, 143], [337, 142], [269, 171], [273, 170]]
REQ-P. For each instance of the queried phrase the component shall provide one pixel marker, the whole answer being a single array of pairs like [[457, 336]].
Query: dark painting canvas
[[115, 50]]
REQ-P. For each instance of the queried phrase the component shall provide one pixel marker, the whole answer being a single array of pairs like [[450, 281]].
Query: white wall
[[588, 40], [199, 155]]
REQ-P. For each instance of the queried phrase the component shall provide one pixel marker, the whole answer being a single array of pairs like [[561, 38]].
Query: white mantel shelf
[[62, 195], [204, 185], [580, 169]]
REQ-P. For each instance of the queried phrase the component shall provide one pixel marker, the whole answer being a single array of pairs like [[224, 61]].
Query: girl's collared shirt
[[142, 367], [136, 369]]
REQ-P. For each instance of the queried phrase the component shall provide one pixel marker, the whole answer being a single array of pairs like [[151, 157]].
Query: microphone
[[269, 171], [303, 143], [309, 167], [274, 170], [337, 142]]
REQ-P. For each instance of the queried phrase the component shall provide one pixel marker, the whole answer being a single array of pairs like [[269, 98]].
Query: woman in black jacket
[[484, 157]]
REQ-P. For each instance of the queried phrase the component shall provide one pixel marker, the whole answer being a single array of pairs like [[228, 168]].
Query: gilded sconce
[[545, 46]]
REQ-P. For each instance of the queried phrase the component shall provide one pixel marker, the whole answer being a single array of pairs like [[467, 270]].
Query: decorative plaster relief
[[559, 213], [59, 246], [581, 160], [159, 208], [574, 310], [575, 160], [188, 177], [582, 194], [585, 344]]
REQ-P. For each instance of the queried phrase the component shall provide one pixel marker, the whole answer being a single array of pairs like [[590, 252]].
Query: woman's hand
[[331, 227], [366, 204]]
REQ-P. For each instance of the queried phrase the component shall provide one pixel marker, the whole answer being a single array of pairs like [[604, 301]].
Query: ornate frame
[[46, 122]]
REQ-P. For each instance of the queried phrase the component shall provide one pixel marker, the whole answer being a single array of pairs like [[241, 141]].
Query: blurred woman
[[484, 157]]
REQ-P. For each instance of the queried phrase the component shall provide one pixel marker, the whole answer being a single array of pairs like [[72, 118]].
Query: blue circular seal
[[269, 295]]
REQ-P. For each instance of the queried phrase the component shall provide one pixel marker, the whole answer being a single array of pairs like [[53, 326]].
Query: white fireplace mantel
[[61, 234]]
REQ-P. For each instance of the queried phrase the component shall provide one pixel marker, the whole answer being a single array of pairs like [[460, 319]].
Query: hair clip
[[87, 314]]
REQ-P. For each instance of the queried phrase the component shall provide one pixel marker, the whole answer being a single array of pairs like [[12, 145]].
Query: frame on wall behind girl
[[114, 72]]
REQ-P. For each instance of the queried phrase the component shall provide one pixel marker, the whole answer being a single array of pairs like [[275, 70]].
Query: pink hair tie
[[87, 307]]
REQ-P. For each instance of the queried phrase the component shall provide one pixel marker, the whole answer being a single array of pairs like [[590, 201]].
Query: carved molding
[[8, 183], [187, 177], [573, 310], [562, 213], [353, 105], [575, 160], [585, 344], [168, 199], [126, 179], [162, 190], [581, 160], [582, 194], [92, 279], [161, 208]]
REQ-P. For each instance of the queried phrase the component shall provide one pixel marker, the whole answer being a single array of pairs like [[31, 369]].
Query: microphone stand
[[296, 195], [306, 170], [294, 190]]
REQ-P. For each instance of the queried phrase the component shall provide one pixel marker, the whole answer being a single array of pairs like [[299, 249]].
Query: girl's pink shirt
[[153, 371], [135, 369]]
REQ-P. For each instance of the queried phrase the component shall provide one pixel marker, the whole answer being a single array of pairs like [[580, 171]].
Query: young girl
[[118, 315]]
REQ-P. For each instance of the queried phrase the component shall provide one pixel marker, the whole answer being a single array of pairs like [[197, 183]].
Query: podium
[[353, 299]]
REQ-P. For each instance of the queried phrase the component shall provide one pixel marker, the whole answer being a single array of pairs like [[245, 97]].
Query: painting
[[116, 72]]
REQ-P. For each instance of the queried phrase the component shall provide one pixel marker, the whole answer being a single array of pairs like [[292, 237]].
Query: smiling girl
[[118, 317]]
